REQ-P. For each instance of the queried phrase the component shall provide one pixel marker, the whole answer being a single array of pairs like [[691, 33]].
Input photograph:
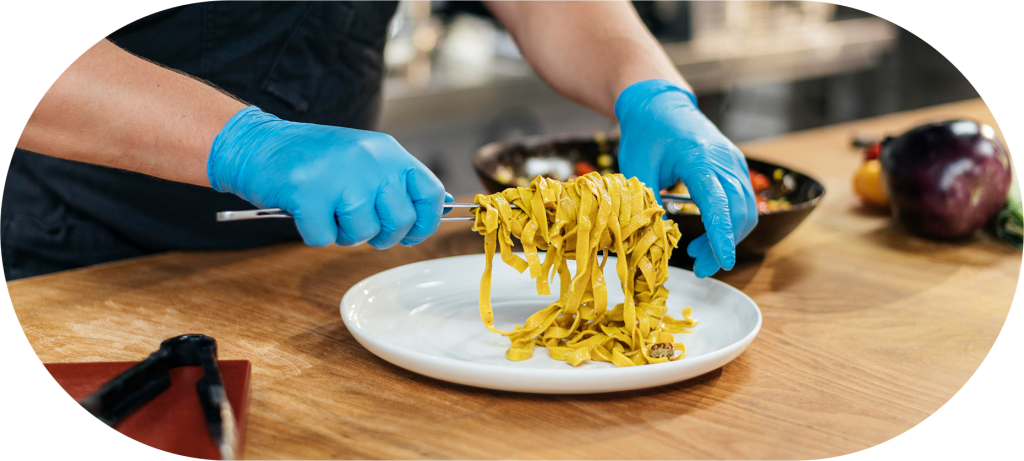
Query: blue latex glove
[[665, 138], [342, 185]]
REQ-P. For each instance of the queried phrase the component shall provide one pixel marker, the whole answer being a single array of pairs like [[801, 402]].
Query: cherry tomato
[[583, 168], [873, 151], [867, 184], [759, 181], [762, 205]]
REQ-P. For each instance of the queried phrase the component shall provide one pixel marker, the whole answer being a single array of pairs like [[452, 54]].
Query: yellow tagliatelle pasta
[[576, 220]]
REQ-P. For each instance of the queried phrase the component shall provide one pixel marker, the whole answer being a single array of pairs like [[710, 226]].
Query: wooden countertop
[[867, 331]]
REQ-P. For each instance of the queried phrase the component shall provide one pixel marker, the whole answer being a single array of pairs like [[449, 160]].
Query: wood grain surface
[[867, 331]]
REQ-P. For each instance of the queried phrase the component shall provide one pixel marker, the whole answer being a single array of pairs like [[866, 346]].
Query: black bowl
[[535, 153]]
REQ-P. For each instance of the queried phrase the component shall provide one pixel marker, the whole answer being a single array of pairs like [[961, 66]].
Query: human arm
[[343, 186], [115, 109], [587, 51], [600, 55]]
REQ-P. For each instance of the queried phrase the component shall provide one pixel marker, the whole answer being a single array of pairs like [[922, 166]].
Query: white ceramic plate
[[425, 317]]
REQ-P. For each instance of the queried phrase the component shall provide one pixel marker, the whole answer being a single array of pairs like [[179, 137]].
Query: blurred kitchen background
[[456, 80]]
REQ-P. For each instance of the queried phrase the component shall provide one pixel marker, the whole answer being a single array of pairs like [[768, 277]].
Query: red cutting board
[[173, 421]]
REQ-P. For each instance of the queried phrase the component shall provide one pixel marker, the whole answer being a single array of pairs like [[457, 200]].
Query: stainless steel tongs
[[268, 213], [279, 213]]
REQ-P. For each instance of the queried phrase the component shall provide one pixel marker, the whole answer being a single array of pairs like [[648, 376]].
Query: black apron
[[316, 62]]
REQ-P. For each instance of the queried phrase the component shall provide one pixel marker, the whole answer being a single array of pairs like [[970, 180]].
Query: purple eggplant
[[945, 180]]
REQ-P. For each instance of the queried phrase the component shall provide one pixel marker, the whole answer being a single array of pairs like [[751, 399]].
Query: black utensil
[[141, 383]]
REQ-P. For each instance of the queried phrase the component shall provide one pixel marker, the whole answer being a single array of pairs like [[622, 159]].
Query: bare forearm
[[114, 109], [587, 51]]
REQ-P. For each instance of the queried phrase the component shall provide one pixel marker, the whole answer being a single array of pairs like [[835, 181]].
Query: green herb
[[1010, 222]]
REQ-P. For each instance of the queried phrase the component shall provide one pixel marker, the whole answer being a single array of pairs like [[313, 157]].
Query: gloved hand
[[666, 138], [342, 185]]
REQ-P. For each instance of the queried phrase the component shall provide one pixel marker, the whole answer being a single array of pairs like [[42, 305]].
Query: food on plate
[[577, 220], [659, 350], [945, 180], [762, 185], [867, 184]]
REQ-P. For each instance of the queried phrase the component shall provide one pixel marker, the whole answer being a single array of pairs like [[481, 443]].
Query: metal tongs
[[145, 380], [279, 213], [267, 213]]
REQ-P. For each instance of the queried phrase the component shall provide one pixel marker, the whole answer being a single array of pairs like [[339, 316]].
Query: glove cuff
[[637, 95], [229, 153]]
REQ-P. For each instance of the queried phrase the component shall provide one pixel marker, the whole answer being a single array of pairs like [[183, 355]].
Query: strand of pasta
[[577, 220]]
